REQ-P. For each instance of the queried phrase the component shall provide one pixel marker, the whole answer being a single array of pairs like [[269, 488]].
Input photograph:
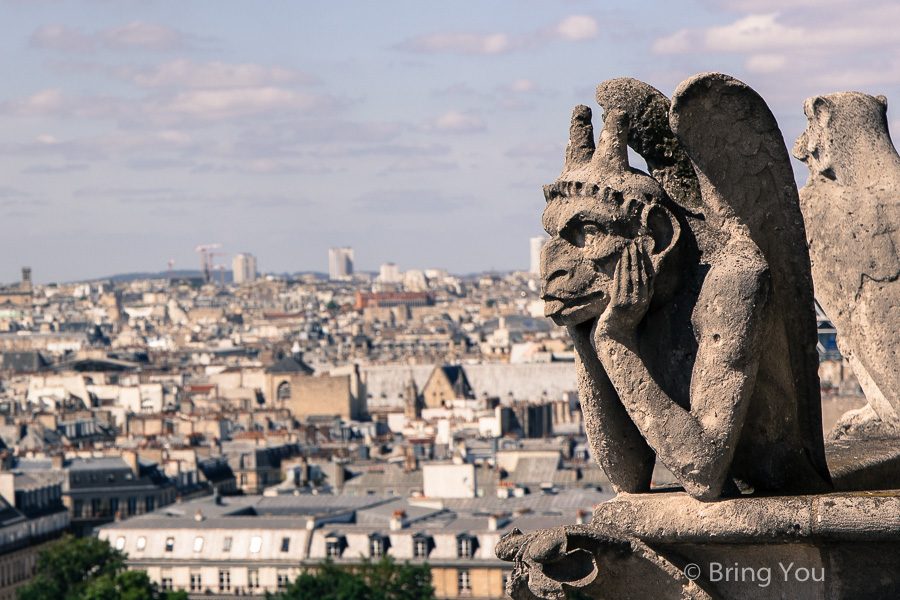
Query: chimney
[[398, 520], [198, 516], [131, 459], [57, 461], [493, 523], [579, 516]]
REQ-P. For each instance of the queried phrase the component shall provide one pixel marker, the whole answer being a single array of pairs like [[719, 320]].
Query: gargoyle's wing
[[650, 135], [746, 181]]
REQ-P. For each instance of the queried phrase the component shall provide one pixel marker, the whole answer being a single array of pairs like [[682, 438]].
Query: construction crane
[[206, 259]]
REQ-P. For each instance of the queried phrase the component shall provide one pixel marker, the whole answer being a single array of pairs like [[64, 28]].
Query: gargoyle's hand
[[632, 290]]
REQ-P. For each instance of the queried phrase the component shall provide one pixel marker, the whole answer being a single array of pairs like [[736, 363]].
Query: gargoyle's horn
[[581, 138], [612, 149]]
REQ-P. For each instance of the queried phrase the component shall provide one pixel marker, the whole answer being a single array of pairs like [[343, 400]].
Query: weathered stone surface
[[851, 204], [688, 294], [827, 546], [691, 311]]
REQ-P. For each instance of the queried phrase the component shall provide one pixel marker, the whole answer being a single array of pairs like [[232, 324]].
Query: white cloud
[[45, 102], [189, 74], [754, 33], [60, 37], [521, 86], [46, 138], [139, 34], [577, 28], [458, 122], [574, 28], [766, 63], [675, 43], [771, 32], [225, 103], [460, 43], [130, 36]]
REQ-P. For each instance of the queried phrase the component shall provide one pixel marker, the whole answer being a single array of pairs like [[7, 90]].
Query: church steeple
[[412, 400]]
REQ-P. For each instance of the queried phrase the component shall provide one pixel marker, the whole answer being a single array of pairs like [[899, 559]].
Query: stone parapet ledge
[[666, 544], [675, 517]]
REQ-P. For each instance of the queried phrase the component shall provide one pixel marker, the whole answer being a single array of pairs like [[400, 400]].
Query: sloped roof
[[24, 362], [289, 364]]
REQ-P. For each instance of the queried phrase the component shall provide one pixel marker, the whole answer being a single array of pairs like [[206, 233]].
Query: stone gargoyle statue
[[687, 291], [851, 206]]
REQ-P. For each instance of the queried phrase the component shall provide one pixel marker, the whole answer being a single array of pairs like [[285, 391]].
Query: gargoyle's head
[[596, 207], [846, 137]]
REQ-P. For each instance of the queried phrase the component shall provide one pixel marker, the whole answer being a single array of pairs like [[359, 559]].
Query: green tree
[[89, 569], [383, 580]]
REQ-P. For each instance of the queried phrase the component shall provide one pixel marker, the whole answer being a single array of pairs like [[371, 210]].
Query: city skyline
[[131, 134]]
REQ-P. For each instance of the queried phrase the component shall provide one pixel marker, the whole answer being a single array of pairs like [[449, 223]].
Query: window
[[224, 580], [465, 546], [120, 543], [333, 547], [198, 544], [132, 505], [196, 581], [285, 544], [150, 503], [376, 547], [463, 581], [253, 579], [165, 581], [141, 543], [78, 509], [284, 391], [170, 544], [226, 544], [283, 580], [255, 544], [421, 546], [113, 506], [95, 507]]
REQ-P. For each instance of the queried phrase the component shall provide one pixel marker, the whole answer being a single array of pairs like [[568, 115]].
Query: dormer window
[[378, 545], [466, 545], [422, 545], [334, 545]]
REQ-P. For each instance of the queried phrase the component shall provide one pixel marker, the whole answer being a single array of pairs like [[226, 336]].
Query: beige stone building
[[290, 383], [446, 383]]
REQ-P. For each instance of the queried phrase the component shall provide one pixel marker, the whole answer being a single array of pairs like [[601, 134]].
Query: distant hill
[[187, 274]]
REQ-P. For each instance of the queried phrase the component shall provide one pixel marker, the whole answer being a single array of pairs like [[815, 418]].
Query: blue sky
[[417, 132]]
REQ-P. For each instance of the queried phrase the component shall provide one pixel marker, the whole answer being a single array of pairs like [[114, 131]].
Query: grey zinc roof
[[289, 364], [386, 384]]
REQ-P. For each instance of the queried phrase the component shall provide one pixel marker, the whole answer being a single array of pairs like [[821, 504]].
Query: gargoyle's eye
[[580, 233]]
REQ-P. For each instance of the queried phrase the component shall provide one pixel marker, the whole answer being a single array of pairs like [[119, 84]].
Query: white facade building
[[340, 263], [243, 268], [537, 244], [389, 273]]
